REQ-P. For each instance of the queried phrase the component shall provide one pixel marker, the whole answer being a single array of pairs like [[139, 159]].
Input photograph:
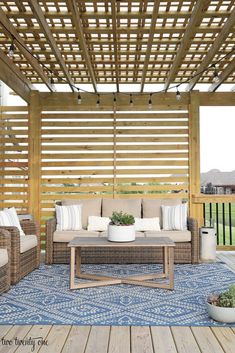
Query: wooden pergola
[[55, 146], [135, 41]]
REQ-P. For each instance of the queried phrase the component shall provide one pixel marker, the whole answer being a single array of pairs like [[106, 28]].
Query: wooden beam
[[114, 23], [46, 29], [11, 31], [217, 98], [195, 20], [194, 156], [13, 77], [82, 41], [227, 71], [150, 41], [35, 156], [228, 26]]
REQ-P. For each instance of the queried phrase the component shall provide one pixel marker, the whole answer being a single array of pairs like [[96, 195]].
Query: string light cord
[[176, 86]]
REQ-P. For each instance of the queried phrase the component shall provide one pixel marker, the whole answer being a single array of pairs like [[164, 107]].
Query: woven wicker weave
[[184, 252], [5, 243], [22, 264]]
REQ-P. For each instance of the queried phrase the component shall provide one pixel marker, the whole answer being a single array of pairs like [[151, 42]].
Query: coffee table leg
[[165, 261], [171, 267], [78, 261], [72, 267]]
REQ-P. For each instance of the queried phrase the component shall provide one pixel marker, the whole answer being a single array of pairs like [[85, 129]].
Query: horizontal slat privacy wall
[[106, 154], [82, 154], [14, 158]]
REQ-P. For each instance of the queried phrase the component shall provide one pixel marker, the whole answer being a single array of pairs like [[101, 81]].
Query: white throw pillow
[[98, 224], [69, 217], [9, 218], [175, 217], [147, 224]]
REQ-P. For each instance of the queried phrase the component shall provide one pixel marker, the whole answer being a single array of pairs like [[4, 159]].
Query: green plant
[[224, 299], [122, 219]]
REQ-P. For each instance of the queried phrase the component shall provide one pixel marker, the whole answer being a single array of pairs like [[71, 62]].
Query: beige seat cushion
[[152, 207], [175, 235], [132, 206], [3, 257], [67, 235], [137, 234], [28, 242], [90, 207]]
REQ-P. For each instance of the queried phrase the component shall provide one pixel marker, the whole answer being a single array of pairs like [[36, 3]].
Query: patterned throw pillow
[[175, 217], [147, 224], [98, 224], [9, 218], [69, 217]]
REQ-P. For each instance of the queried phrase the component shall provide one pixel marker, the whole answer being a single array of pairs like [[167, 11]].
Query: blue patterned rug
[[43, 297]]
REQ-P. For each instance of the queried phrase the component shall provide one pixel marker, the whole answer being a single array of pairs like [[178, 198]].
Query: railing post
[[195, 210], [35, 155]]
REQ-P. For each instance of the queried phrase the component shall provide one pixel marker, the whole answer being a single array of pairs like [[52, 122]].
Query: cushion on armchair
[[3, 257], [9, 218], [28, 242]]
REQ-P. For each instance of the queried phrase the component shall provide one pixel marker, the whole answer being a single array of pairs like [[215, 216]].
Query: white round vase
[[221, 314], [121, 233]]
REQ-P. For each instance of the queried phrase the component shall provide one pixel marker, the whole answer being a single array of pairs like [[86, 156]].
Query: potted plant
[[121, 228], [221, 307]]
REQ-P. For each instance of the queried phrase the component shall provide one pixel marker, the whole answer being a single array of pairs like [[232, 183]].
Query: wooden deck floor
[[106, 339]]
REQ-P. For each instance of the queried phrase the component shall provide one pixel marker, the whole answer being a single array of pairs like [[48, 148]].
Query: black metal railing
[[223, 215]]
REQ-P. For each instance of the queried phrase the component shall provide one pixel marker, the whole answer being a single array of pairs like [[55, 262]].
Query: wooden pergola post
[[194, 156], [35, 155]]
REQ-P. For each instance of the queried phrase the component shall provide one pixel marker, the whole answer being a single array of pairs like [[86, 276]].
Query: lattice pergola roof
[[132, 41]]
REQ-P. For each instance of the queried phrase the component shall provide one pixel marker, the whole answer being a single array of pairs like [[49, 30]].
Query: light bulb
[[11, 51], [178, 95]]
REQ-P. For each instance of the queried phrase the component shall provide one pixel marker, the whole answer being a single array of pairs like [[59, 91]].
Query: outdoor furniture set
[[20, 254]]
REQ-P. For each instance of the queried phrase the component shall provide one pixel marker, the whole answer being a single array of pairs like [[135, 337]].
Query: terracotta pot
[[121, 233]]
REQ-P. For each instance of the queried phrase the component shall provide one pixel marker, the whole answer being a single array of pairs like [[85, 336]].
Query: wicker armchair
[[5, 244], [23, 262]]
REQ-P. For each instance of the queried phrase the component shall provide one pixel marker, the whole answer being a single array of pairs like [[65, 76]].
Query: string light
[[131, 101], [150, 101], [98, 101], [178, 95], [79, 97], [11, 50]]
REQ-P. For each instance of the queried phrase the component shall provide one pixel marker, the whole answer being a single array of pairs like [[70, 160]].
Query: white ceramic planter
[[121, 233], [221, 314]]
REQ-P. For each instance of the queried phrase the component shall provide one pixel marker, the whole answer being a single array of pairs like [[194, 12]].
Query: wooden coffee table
[[77, 244]]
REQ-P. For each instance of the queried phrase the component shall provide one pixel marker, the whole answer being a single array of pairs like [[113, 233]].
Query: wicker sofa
[[5, 250], [187, 242], [25, 250]]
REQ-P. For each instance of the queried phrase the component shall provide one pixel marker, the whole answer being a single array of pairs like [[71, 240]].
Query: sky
[[217, 138], [217, 135]]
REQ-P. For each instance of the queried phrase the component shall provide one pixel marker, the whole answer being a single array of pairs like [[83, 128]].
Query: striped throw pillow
[[175, 217], [9, 218], [69, 217]]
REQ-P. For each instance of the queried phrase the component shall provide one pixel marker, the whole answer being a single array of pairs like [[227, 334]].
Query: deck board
[[125, 339], [119, 340]]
